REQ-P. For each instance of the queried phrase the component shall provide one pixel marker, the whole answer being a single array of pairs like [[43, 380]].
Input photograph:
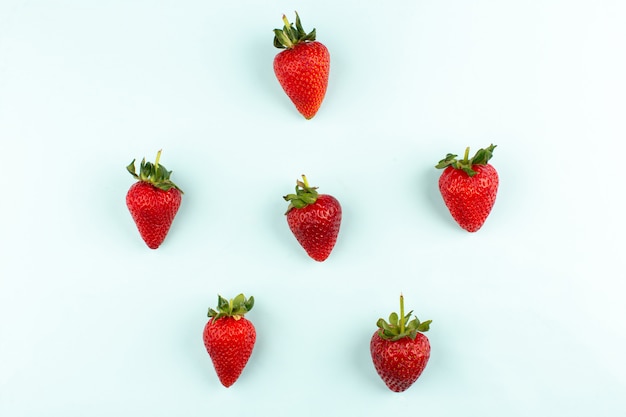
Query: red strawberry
[[302, 68], [153, 201], [469, 187], [314, 219], [229, 337], [399, 351]]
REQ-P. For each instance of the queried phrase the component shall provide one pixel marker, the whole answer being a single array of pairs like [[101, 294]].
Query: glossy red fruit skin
[[303, 72], [316, 226], [153, 211], [469, 199], [399, 363], [229, 342]]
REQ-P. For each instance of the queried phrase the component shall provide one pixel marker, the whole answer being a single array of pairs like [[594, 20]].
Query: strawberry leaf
[[236, 307], [222, 302], [425, 326], [305, 195], [289, 36], [238, 301], [154, 174], [300, 30], [393, 319], [401, 326], [481, 157], [384, 326], [133, 171]]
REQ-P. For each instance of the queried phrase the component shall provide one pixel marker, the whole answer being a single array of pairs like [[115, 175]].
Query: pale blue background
[[528, 313]]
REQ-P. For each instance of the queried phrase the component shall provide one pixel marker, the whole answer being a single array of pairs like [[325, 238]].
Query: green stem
[[158, 157], [466, 156], [305, 181], [288, 32], [401, 314]]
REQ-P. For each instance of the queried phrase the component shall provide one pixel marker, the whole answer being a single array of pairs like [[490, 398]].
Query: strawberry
[[302, 68], [229, 337], [399, 350], [153, 201], [314, 219], [469, 187]]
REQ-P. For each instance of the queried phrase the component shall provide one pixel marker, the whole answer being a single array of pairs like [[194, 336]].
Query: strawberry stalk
[[401, 313], [466, 155]]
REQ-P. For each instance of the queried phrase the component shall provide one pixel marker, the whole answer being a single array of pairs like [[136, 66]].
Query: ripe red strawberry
[[229, 337], [399, 351], [469, 187], [153, 201], [302, 68], [314, 219]]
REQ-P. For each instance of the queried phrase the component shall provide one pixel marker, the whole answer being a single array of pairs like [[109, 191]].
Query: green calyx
[[236, 307], [289, 36], [154, 174], [481, 158], [304, 196], [401, 326]]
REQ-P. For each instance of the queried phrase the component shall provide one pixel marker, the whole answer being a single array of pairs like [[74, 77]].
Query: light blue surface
[[528, 313]]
